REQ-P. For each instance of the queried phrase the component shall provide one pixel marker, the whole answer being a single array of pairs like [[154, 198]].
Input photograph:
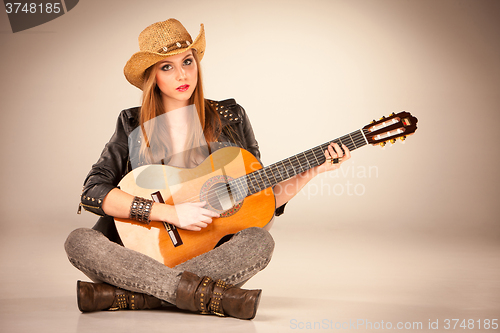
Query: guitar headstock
[[397, 125]]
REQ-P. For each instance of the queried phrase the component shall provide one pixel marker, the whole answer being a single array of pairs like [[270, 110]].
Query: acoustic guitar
[[235, 185]]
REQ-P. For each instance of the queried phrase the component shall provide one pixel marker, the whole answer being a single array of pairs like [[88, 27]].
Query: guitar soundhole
[[217, 193]]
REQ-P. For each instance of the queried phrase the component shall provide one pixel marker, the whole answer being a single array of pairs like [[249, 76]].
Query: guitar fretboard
[[273, 174]]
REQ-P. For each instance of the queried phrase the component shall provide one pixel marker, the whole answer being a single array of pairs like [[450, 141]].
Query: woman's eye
[[166, 67], [188, 62]]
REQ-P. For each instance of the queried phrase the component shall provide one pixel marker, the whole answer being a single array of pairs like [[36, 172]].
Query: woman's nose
[[181, 74]]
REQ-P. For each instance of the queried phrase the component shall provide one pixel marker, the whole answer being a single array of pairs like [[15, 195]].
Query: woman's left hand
[[331, 153], [290, 187]]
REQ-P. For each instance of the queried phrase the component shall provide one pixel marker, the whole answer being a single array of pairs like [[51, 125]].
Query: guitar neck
[[275, 173]]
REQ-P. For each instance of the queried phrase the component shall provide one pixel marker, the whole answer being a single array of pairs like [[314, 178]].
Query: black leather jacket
[[114, 162]]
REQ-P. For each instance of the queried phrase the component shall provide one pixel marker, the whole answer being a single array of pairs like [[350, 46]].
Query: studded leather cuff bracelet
[[141, 209]]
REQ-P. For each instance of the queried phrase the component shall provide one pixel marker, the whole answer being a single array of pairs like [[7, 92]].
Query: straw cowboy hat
[[158, 41]]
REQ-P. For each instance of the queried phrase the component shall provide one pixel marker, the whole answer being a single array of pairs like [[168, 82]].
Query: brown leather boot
[[102, 296], [217, 297]]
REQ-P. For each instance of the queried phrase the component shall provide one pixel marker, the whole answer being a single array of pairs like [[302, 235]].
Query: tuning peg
[[373, 121], [383, 117], [393, 141], [403, 138], [382, 144], [393, 114]]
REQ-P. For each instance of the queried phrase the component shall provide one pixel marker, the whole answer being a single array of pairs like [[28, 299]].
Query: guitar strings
[[357, 138], [239, 187]]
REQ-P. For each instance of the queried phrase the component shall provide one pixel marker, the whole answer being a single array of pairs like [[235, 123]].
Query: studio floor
[[333, 280]]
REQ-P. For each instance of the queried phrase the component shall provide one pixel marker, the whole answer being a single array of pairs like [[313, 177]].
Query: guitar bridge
[[172, 231]]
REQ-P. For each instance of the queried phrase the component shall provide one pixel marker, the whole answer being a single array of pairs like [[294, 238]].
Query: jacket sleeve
[[107, 172], [253, 146]]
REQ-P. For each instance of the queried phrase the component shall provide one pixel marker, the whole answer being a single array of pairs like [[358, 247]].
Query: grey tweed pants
[[246, 253]]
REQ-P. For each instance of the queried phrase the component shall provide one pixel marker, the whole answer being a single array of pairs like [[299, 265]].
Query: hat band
[[174, 46]]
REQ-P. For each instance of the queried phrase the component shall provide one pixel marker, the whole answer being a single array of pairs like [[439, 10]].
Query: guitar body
[[178, 185]]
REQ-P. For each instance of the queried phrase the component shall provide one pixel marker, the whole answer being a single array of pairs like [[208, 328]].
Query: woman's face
[[177, 77]]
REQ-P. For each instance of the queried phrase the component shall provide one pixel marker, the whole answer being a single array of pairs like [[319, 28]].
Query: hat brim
[[142, 60]]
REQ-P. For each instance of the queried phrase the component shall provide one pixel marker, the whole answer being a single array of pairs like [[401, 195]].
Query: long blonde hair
[[152, 107]]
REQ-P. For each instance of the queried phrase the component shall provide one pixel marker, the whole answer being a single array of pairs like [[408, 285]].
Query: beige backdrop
[[306, 72]]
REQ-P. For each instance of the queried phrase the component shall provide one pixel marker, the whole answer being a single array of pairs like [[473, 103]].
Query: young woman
[[177, 126]]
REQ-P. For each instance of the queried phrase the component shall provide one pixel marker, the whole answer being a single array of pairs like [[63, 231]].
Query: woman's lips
[[183, 88]]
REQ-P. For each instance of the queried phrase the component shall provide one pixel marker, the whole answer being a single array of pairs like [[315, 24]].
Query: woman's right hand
[[190, 215]]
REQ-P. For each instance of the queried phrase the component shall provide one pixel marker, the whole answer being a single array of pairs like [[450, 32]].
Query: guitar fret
[[314, 155], [267, 176], [318, 152], [300, 167], [284, 167], [259, 182], [260, 175], [346, 143], [270, 169], [289, 169], [352, 141], [297, 161], [309, 165], [345, 140], [279, 171], [255, 182], [273, 174], [252, 181], [249, 182]]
